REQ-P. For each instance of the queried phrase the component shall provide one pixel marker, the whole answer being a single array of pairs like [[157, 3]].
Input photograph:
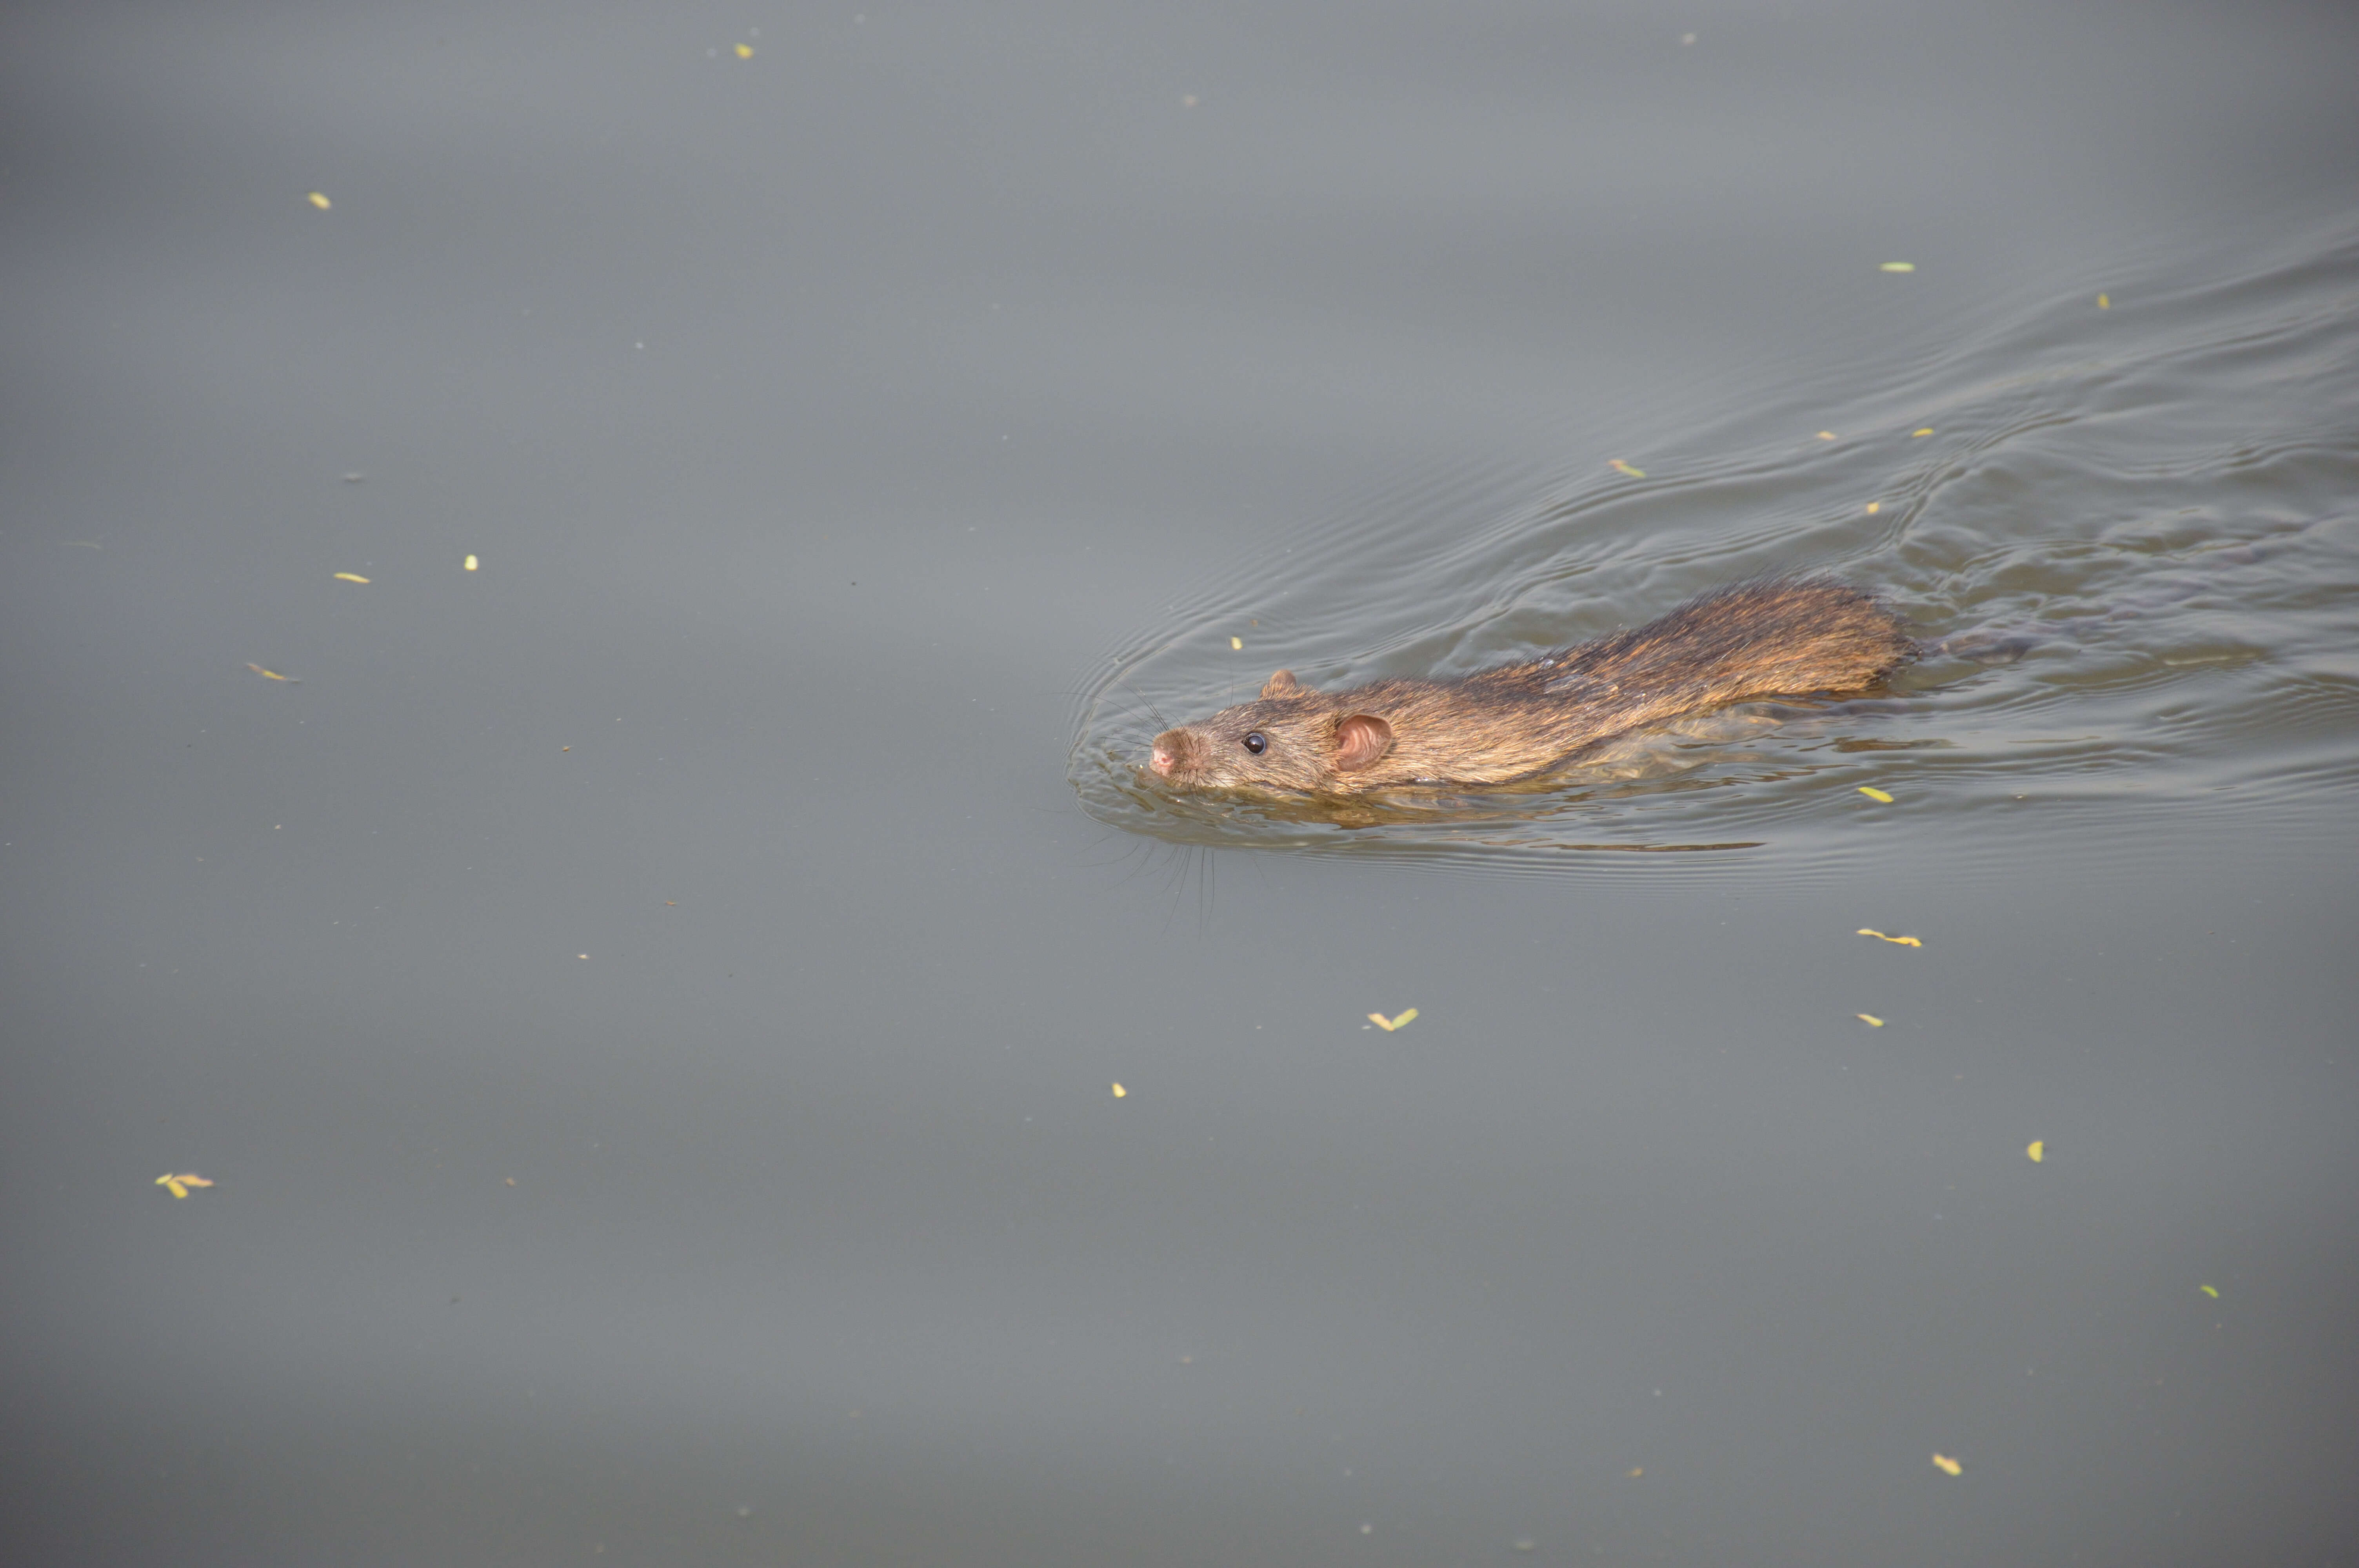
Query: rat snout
[[1169, 751]]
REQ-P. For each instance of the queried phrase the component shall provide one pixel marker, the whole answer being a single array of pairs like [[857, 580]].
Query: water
[[650, 1005]]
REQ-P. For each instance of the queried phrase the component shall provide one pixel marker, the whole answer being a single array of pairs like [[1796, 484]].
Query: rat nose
[[1171, 752]]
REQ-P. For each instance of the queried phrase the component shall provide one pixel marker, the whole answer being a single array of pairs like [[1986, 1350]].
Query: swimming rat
[[1785, 636]]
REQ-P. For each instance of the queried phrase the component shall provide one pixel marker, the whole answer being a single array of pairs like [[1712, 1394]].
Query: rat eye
[[1257, 743]]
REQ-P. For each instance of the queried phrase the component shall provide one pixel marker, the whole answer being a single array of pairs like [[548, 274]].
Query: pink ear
[[1360, 739], [1282, 684]]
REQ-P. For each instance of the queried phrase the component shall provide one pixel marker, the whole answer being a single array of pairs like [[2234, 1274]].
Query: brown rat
[[1782, 637]]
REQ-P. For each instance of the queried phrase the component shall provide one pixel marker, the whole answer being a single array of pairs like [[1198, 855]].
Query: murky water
[[648, 989]]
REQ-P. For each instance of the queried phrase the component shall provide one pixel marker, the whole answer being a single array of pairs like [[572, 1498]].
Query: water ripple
[[2155, 503]]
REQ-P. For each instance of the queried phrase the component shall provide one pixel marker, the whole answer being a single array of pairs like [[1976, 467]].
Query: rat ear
[[1282, 684], [1360, 739]]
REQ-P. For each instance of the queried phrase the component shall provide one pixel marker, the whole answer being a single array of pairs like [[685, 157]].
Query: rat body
[[1782, 637]]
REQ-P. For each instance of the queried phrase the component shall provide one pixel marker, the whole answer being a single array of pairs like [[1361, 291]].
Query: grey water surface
[[649, 986]]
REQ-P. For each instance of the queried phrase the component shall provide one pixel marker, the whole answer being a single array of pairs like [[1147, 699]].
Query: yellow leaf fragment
[[1926, 431], [1389, 1024], [316, 200], [1873, 507], [1880, 937], [1874, 794], [1942, 1462], [2037, 1151], [468, 565], [1896, 266], [745, 51], [1869, 1018], [350, 577], [2209, 1292], [179, 1186], [1236, 642], [1119, 1091], [1618, 465], [271, 674], [2104, 303], [1634, 1472], [1826, 435]]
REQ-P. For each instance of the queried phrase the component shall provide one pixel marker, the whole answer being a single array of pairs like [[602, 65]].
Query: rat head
[[1291, 739]]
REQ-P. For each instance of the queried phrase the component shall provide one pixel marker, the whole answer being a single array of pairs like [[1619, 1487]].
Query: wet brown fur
[[1783, 637]]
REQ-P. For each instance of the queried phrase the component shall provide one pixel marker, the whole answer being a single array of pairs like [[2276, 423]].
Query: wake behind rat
[[1786, 637]]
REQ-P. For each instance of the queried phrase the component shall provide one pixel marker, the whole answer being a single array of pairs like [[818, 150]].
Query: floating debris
[[1880, 937], [2037, 1151], [1874, 794], [1826, 435], [350, 577], [745, 51], [179, 1184], [274, 675], [1396, 1022], [1896, 266], [1942, 1462], [2104, 303], [1926, 431], [1869, 1018], [322, 202], [1873, 507], [1238, 642], [1119, 1091], [2209, 1292], [468, 565], [1618, 465]]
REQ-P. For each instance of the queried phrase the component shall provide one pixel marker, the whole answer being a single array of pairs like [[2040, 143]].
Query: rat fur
[[1785, 636]]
